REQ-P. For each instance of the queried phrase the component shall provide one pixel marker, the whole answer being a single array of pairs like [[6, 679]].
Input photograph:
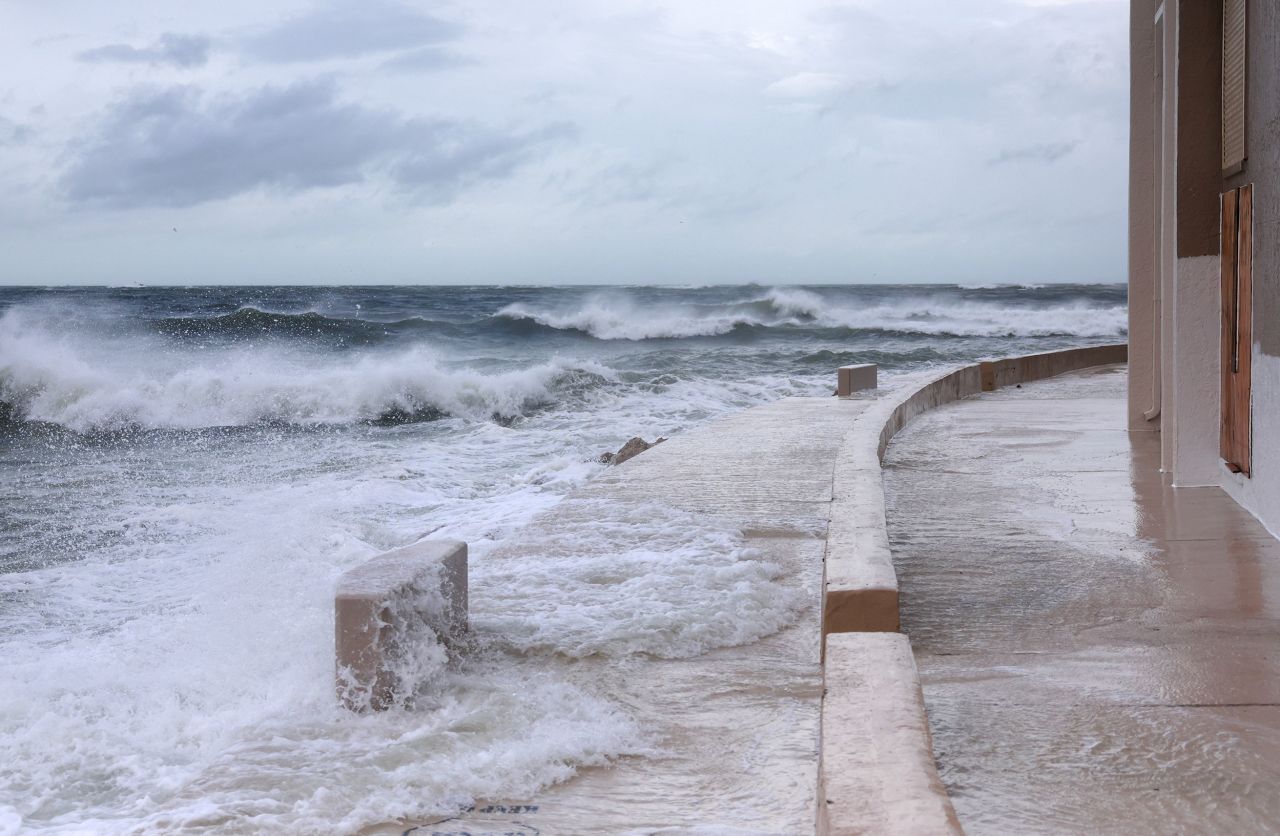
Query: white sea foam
[[670, 584], [1000, 286], [617, 316], [94, 382], [796, 303], [931, 317], [185, 677]]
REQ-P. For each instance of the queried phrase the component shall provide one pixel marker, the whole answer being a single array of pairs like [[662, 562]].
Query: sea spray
[[616, 316], [61, 379]]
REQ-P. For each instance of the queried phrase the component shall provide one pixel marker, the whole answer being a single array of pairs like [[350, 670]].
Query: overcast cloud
[[349, 29], [386, 141], [180, 146], [177, 50]]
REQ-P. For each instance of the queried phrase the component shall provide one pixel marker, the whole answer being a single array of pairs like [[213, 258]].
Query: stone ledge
[[861, 587], [877, 774]]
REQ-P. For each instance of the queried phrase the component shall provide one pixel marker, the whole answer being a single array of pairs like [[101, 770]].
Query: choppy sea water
[[184, 473]]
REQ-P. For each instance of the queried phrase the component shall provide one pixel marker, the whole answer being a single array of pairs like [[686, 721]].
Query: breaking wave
[[91, 384], [617, 316]]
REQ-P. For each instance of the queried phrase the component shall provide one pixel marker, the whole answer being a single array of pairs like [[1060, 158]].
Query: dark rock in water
[[605, 458], [632, 448]]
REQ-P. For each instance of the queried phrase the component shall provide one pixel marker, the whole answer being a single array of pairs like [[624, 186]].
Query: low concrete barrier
[[392, 617], [850, 379], [1014, 370], [877, 774], [860, 584]]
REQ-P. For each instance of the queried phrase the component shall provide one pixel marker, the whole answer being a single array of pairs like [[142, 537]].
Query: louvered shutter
[[1236, 444], [1233, 84]]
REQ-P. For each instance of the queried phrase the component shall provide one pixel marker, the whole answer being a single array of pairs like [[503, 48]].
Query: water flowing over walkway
[[710, 646], [1100, 653]]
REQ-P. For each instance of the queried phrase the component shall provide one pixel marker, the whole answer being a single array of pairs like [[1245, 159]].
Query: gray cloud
[[1049, 152], [963, 101], [178, 147], [427, 58], [349, 29], [175, 50], [14, 133]]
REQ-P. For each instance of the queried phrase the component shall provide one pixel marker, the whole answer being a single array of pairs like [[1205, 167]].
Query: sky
[[562, 141]]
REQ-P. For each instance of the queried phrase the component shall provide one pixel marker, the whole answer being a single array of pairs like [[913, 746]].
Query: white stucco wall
[[1194, 392], [1143, 314], [1260, 493]]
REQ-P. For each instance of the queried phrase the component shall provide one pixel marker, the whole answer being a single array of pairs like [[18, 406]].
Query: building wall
[[1175, 182], [1194, 324], [1261, 493], [1143, 338], [1195, 396]]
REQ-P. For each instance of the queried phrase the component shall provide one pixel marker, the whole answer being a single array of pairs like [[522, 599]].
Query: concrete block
[[850, 379], [388, 608], [860, 589], [877, 773]]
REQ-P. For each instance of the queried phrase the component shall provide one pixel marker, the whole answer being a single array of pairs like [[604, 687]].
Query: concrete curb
[[860, 587], [876, 771], [877, 761]]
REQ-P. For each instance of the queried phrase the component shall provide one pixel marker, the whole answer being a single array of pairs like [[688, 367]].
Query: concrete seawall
[[877, 771], [860, 588]]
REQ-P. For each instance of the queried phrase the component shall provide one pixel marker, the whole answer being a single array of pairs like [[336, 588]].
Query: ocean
[[185, 472]]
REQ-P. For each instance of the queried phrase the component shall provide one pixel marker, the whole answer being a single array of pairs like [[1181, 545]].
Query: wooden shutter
[[1237, 328], [1233, 84]]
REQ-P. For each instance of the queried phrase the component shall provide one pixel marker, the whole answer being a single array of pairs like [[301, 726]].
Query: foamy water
[[610, 316], [186, 473]]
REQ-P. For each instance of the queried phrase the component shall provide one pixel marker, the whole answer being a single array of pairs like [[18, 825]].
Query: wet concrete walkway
[[1099, 653], [734, 728]]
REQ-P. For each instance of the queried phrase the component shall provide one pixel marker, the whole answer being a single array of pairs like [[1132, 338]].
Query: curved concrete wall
[[860, 589], [876, 772]]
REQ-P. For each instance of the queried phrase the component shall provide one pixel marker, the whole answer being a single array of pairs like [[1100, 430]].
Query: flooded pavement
[[709, 647], [1099, 653]]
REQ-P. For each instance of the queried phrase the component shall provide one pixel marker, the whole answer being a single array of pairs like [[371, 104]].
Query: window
[[1233, 85]]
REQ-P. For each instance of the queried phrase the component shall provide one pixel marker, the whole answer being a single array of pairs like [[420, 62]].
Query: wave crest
[[621, 317], [87, 386]]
